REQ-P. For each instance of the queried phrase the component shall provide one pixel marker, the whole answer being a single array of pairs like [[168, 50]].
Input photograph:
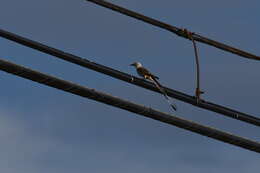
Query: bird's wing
[[144, 72]]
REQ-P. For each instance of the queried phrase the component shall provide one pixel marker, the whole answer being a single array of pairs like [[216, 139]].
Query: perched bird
[[143, 72]]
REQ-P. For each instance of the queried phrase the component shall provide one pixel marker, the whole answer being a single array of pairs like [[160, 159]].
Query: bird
[[146, 74]]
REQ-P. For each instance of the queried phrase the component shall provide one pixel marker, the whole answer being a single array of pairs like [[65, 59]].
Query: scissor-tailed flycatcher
[[148, 75]]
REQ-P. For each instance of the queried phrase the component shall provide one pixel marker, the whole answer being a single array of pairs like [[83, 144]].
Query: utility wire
[[198, 91], [178, 31], [130, 79], [129, 106]]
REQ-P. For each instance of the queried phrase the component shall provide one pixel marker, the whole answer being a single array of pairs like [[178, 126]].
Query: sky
[[46, 130]]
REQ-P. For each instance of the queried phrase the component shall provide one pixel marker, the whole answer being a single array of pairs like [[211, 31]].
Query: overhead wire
[[225, 111], [198, 91], [178, 31], [93, 94]]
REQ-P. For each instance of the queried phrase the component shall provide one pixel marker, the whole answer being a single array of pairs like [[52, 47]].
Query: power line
[[198, 91], [178, 31], [129, 106], [130, 79]]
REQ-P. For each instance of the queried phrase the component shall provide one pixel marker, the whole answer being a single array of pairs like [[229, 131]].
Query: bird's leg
[[147, 77], [132, 79]]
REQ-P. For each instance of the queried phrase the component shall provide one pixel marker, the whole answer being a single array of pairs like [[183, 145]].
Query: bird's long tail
[[159, 86]]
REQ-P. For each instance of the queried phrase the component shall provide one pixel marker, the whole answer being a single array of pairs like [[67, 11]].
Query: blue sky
[[46, 130]]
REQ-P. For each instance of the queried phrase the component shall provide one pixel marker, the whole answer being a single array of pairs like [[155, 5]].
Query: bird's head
[[136, 64]]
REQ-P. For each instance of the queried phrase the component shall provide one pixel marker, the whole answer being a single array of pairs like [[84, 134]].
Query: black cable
[[178, 31], [129, 106], [130, 79]]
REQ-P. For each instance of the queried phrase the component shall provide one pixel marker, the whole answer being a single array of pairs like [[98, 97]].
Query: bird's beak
[[132, 64]]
